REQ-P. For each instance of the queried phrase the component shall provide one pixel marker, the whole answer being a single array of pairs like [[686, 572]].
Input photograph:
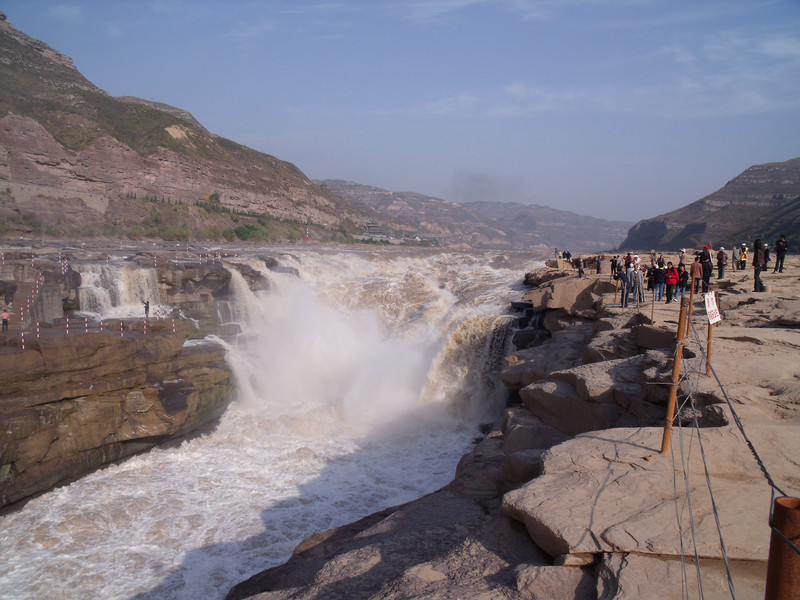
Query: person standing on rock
[[671, 280], [659, 280], [638, 282], [722, 260], [735, 258], [705, 261], [621, 275], [5, 318], [696, 272], [683, 280], [759, 264], [781, 246]]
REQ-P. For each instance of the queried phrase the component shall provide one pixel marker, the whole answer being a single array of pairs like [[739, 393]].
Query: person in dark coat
[[705, 261], [659, 280], [759, 264], [722, 260], [622, 276], [781, 246]]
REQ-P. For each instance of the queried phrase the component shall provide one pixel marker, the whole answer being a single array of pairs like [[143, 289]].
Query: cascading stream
[[361, 383]]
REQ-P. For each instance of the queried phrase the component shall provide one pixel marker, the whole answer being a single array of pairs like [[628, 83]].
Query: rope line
[[736, 419], [691, 377], [687, 487]]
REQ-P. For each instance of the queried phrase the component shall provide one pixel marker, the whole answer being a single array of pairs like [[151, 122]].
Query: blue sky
[[620, 109]]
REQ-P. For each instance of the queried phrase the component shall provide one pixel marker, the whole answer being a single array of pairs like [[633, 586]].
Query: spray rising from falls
[[361, 383]]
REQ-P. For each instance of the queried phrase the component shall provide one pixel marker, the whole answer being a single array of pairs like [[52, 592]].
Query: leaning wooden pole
[[676, 375], [783, 564]]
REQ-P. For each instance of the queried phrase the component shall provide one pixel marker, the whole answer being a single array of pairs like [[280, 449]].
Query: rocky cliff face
[[763, 202], [72, 401]]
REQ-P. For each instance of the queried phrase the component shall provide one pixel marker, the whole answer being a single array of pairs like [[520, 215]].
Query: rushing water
[[361, 383]]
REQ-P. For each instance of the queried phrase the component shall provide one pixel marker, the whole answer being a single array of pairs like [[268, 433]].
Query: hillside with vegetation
[[68, 142]]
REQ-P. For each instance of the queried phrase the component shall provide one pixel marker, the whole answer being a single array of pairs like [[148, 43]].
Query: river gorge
[[362, 377]]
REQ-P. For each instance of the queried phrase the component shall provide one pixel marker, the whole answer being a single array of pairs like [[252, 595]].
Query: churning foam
[[360, 385]]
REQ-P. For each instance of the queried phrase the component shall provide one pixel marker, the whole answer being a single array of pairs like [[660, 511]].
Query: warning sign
[[711, 308]]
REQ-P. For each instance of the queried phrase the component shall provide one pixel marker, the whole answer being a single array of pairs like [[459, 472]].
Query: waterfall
[[362, 378], [116, 290]]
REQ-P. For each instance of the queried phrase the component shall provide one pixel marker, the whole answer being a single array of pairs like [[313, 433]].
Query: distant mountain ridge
[[77, 162], [762, 202], [484, 224]]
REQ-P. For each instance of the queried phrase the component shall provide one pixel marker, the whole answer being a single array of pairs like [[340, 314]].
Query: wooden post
[[691, 302], [708, 349], [653, 307], [616, 288], [711, 339], [676, 374], [783, 564]]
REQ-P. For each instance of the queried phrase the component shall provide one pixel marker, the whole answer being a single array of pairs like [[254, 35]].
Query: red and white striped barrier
[[37, 328], [121, 332], [22, 338], [86, 323], [67, 321]]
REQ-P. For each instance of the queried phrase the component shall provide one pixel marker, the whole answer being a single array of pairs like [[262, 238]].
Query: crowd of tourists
[[669, 282]]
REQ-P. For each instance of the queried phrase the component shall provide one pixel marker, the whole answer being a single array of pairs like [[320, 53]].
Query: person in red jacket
[[671, 279]]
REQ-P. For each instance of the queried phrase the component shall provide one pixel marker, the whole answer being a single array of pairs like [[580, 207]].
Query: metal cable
[[736, 419]]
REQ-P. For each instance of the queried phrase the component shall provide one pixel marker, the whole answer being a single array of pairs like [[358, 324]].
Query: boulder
[[646, 577], [521, 467], [611, 491], [576, 296], [564, 349], [522, 430], [556, 583]]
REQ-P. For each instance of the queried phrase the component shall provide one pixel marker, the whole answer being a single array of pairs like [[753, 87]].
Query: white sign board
[[711, 308]]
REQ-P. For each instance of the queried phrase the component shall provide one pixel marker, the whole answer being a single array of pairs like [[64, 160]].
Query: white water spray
[[361, 384]]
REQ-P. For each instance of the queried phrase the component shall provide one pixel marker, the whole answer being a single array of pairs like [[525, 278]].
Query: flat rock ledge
[[568, 495]]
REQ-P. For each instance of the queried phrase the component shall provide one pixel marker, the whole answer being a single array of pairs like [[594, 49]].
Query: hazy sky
[[620, 109]]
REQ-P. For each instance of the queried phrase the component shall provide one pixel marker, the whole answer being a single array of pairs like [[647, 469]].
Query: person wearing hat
[[722, 260], [743, 255]]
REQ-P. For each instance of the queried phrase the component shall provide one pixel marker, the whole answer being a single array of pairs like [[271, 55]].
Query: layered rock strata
[[73, 401]]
